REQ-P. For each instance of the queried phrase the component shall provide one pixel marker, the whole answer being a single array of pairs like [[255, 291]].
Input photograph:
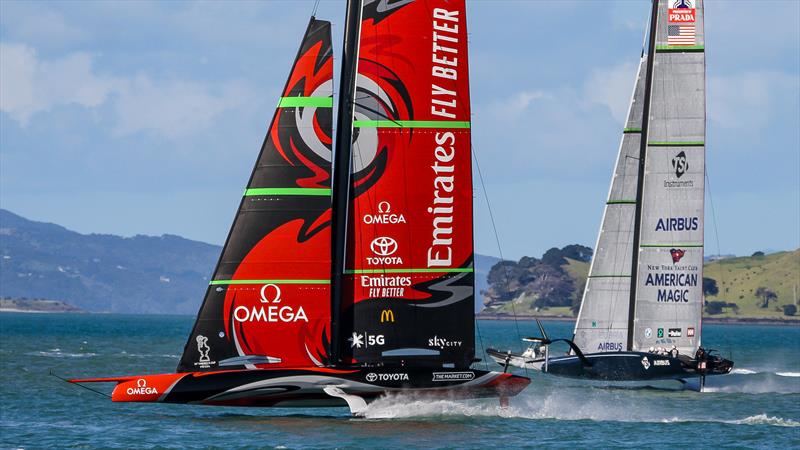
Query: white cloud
[[31, 85], [612, 87], [173, 108], [33, 22], [747, 100]]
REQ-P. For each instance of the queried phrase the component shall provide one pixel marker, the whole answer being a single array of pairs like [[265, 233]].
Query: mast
[[651, 47], [341, 168]]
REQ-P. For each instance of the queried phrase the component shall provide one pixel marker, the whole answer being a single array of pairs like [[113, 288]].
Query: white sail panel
[[603, 319], [669, 292]]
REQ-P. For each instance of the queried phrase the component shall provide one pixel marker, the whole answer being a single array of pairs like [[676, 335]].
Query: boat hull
[[306, 387], [614, 366]]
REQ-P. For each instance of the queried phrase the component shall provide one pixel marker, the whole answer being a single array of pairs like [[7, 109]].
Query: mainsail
[[269, 298], [409, 282], [663, 252], [669, 291]]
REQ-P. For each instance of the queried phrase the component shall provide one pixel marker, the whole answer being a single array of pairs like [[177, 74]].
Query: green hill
[[737, 279]]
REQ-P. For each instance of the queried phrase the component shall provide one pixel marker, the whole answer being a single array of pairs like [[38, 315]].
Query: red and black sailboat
[[348, 270]]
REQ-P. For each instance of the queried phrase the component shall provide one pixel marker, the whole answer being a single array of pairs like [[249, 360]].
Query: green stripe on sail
[[410, 124], [320, 102], [288, 191], [609, 276], [670, 245], [409, 270], [679, 48], [676, 143], [621, 202], [632, 130], [227, 282]]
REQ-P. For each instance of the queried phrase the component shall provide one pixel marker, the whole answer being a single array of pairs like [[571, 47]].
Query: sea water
[[757, 406]]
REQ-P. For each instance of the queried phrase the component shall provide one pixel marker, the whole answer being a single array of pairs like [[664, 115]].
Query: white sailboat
[[641, 313]]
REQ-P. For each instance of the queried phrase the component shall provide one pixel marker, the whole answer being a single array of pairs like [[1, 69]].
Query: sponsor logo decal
[[383, 247], [646, 363], [203, 348], [660, 362], [680, 34], [678, 224], [660, 333], [674, 332], [384, 215], [672, 280], [272, 312], [676, 254], [442, 343], [682, 11], [440, 252], [453, 376], [648, 333], [680, 164], [366, 340], [387, 315], [610, 347], [372, 377], [142, 388], [690, 332], [385, 286]]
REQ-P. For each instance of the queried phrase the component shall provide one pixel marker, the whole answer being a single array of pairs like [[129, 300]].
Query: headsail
[[668, 261], [669, 297], [269, 300], [602, 323], [409, 267]]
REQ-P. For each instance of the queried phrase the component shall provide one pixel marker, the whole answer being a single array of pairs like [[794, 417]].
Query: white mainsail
[[669, 290], [668, 263]]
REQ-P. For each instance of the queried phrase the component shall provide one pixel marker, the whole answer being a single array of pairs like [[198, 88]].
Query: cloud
[[29, 85], [31, 22], [612, 87], [172, 107], [748, 100]]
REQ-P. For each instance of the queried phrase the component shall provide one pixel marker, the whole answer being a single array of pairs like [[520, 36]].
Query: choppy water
[[757, 406]]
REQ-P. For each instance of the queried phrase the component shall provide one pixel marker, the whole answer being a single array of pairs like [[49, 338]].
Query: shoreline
[[706, 320]]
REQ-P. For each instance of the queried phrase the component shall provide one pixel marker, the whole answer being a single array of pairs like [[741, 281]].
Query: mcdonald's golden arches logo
[[387, 315]]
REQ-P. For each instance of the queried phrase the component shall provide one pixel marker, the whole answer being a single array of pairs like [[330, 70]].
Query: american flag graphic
[[680, 35]]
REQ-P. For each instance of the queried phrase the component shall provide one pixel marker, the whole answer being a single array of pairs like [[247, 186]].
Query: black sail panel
[[268, 304]]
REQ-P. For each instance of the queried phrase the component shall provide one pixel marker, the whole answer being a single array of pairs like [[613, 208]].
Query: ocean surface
[[757, 406]]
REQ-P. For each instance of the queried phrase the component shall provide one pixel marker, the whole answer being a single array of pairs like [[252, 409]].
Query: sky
[[145, 117]]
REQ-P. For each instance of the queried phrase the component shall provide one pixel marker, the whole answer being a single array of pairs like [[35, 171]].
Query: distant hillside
[[35, 305], [553, 283], [96, 272], [737, 280], [106, 273]]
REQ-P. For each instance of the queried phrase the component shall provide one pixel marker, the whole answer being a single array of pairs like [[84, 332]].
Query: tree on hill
[[766, 295], [545, 280], [710, 287], [757, 254]]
